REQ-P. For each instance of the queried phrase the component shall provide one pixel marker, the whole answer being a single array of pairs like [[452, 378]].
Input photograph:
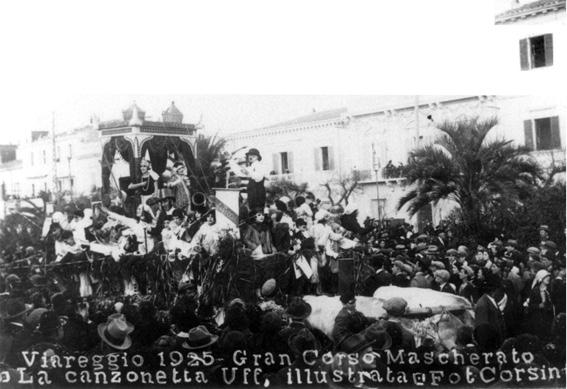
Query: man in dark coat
[[489, 308]]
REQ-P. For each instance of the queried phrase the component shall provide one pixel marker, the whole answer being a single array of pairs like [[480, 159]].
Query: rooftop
[[313, 117], [531, 9]]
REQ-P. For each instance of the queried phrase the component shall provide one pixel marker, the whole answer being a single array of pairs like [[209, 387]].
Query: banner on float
[[227, 207]]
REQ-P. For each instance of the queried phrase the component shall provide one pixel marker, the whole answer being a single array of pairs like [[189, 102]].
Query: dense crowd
[[239, 292]]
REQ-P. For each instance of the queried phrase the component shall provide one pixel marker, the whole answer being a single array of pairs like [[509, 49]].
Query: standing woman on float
[[180, 184], [257, 174]]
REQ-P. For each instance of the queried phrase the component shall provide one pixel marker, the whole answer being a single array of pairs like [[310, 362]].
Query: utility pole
[[417, 132], [376, 166], [54, 154]]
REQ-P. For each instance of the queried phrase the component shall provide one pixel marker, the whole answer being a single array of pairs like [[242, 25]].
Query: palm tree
[[209, 149], [476, 173]]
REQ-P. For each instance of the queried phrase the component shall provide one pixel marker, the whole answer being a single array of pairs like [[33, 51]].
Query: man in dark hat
[[296, 313], [14, 336], [348, 321], [490, 307], [395, 308], [382, 276], [422, 278]]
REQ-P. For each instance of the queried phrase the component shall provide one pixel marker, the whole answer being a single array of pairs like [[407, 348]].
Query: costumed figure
[[256, 172], [180, 184], [148, 186]]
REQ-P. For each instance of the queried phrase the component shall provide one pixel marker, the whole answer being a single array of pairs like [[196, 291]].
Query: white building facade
[[531, 40], [328, 145]]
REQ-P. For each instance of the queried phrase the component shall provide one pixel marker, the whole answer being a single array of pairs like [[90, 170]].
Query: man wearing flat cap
[[395, 308]]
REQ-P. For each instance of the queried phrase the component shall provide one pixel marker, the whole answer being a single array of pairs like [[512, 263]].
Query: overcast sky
[[214, 58]]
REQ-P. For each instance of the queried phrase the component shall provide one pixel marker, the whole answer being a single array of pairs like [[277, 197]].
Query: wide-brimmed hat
[[533, 250], [116, 332], [451, 252], [298, 309], [254, 152], [377, 334], [544, 227], [395, 306], [199, 338]]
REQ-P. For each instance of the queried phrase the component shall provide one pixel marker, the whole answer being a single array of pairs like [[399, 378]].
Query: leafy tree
[[339, 189], [478, 174]]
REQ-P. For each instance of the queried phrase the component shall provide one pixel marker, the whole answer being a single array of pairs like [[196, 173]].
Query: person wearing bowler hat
[[257, 173], [115, 334], [296, 313]]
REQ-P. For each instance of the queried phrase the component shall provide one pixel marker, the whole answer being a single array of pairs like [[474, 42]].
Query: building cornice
[[525, 12], [268, 131]]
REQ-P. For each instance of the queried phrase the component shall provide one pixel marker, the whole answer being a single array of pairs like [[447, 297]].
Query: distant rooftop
[[532, 9], [313, 117]]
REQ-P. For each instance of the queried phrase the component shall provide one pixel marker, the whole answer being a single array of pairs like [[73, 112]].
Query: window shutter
[[529, 134], [548, 45], [555, 134], [331, 158], [290, 161], [276, 162], [317, 155], [524, 63]]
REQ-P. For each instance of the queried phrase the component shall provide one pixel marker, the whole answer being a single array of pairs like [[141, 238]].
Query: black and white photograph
[[197, 198]]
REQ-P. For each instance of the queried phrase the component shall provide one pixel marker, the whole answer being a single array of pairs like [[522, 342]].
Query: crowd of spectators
[[293, 247]]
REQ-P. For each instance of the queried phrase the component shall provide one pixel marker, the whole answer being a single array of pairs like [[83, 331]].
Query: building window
[[33, 190], [31, 159], [44, 156], [536, 52], [283, 162], [542, 133], [70, 155], [324, 158]]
